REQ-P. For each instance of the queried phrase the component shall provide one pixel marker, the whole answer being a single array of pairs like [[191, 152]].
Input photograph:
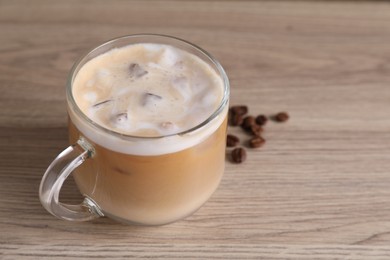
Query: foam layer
[[147, 90]]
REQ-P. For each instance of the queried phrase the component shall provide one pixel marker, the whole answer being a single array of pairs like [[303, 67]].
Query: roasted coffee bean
[[235, 119], [232, 140], [281, 117], [248, 122], [255, 130], [256, 142], [239, 110], [261, 120], [238, 155]]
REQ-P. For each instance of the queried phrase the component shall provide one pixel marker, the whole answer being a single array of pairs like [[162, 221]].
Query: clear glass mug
[[151, 189]]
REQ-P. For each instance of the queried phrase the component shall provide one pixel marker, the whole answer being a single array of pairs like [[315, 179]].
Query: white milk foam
[[147, 90]]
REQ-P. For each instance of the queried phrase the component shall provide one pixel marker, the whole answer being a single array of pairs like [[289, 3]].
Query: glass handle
[[54, 177]]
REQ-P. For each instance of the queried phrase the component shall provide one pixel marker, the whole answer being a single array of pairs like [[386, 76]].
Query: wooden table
[[318, 189]]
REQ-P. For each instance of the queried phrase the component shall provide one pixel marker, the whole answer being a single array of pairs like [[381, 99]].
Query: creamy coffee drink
[[147, 90], [156, 117]]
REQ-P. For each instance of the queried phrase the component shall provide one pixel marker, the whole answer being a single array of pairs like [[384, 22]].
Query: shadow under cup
[[168, 177]]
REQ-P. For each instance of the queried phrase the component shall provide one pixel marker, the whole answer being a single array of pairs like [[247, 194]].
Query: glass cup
[[167, 179]]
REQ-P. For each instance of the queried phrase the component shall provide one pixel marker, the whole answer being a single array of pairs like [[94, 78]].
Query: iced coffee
[[156, 117]]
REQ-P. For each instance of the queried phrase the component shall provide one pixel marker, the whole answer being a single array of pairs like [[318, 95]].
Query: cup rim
[[72, 74]]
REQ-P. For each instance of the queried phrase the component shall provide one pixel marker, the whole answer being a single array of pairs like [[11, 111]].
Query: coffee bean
[[232, 140], [281, 117], [261, 120], [238, 110], [235, 119], [248, 122], [255, 130], [238, 155], [253, 126], [256, 142]]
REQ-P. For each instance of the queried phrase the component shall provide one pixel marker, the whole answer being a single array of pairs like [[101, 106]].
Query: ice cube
[[102, 103], [167, 125], [169, 57], [200, 84], [167, 128], [154, 65], [150, 99], [120, 119], [152, 47], [90, 96], [182, 85], [209, 99], [136, 71]]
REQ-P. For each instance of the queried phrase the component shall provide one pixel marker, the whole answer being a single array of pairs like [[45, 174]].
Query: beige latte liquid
[[153, 189], [149, 172]]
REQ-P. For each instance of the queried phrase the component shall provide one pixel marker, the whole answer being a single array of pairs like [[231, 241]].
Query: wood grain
[[318, 189]]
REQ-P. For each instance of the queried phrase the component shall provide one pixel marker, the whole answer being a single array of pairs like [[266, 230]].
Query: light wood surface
[[318, 189]]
